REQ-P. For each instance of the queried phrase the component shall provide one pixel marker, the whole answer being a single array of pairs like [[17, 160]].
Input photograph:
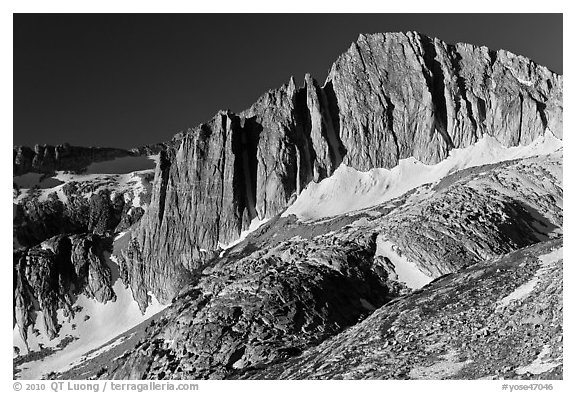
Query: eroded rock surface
[[49, 159], [296, 299], [389, 97], [500, 319], [49, 277], [291, 285]]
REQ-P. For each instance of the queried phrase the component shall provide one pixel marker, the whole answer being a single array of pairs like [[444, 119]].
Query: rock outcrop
[[104, 212], [294, 299], [60, 236], [480, 213], [267, 306], [501, 319], [48, 159], [291, 284], [390, 96], [49, 277]]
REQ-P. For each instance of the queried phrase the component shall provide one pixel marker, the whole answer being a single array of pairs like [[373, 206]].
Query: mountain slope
[[497, 319], [291, 285], [268, 235], [390, 97], [66, 225]]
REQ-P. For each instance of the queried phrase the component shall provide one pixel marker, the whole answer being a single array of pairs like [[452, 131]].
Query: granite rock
[[390, 96], [48, 159]]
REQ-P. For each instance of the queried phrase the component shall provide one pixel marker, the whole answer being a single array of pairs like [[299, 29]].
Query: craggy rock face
[[497, 319], [50, 277], [48, 159], [337, 297], [389, 97], [407, 95], [291, 284], [60, 238]]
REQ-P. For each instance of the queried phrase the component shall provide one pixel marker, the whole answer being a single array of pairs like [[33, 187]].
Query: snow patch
[[120, 181], [553, 256], [45, 246], [407, 271], [349, 190], [104, 323], [254, 224], [101, 350], [20, 195], [519, 293], [525, 82], [524, 290], [447, 367], [36, 337], [539, 365], [116, 238], [155, 158], [130, 184]]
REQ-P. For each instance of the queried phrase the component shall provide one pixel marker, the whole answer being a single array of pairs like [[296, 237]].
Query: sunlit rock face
[[389, 97], [408, 95], [411, 176], [268, 302]]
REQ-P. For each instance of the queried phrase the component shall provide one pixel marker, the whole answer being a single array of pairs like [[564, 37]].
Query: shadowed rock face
[[48, 159], [59, 241], [291, 285], [390, 96], [50, 277]]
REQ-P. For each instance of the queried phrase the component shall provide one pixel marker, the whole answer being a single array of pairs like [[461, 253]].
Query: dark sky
[[127, 80]]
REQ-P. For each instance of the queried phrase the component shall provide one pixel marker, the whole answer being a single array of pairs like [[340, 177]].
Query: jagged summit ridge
[[408, 95], [353, 216], [390, 96]]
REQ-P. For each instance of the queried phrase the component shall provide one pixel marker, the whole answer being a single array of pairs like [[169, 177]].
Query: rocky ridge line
[[49, 159], [389, 97]]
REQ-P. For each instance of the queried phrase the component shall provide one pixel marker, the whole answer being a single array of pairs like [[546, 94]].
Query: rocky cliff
[[389, 97], [292, 285], [49, 278], [300, 287], [62, 227]]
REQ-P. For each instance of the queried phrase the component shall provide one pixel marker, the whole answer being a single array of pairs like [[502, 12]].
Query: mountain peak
[[415, 159]]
